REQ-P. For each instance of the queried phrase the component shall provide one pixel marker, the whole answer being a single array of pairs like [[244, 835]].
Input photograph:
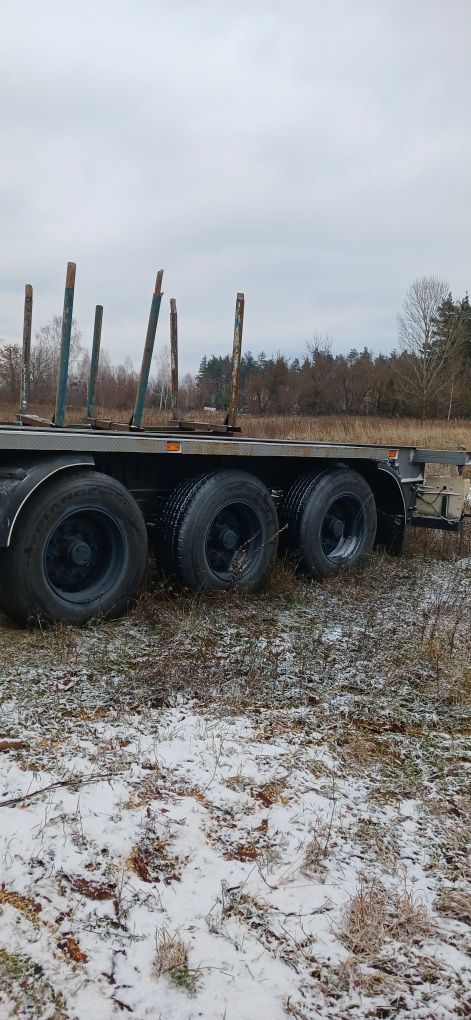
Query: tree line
[[116, 383], [428, 375]]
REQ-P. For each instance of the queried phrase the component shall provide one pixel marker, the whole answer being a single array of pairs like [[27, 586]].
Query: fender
[[20, 479], [391, 506], [400, 500]]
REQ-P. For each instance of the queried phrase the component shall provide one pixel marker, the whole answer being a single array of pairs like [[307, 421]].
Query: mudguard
[[22, 477]]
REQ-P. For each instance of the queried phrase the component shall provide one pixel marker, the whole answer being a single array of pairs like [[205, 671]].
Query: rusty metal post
[[174, 356], [26, 363], [236, 354], [94, 361], [148, 350], [61, 395]]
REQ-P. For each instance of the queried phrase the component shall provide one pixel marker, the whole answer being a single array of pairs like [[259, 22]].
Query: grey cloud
[[316, 157]]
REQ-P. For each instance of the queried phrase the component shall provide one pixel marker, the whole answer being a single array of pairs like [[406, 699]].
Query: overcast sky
[[315, 155]]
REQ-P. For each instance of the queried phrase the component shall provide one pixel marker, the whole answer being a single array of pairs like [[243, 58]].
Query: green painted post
[[26, 364], [61, 395], [147, 355], [94, 361]]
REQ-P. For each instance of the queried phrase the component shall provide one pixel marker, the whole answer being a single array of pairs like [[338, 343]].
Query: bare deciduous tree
[[428, 357], [188, 393], [10, 369], [45, 356], [162, 381]]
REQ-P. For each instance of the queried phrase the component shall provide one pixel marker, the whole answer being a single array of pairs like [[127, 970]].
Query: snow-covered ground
[[243, 808]]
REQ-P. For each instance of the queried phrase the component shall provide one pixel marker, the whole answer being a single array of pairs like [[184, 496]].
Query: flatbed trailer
[[80, 505]]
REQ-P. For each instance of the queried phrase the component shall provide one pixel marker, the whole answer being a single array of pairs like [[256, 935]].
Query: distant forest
[[429, 375]]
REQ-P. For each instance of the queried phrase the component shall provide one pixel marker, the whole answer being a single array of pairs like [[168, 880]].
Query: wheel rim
[[233, 538], [343, 528], [84, 555]]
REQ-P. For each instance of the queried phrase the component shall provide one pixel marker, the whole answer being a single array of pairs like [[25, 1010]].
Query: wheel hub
[[80, 554], [83, 555], [229, 539], [342, 528], [336, 527], [232, 540]]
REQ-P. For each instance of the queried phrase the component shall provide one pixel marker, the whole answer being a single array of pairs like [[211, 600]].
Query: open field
[[239, 807], [438, 433]]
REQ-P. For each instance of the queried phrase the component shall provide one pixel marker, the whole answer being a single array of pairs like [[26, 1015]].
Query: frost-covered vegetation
[[244, 807]]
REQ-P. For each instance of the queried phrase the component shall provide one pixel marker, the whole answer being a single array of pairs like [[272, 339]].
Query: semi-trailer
[[81, 505]]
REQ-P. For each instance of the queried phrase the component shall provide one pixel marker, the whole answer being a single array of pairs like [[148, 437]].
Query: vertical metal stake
[[26, 364], [61, 395], [174, 356], [236, 352], [147, 355], [94, 361]]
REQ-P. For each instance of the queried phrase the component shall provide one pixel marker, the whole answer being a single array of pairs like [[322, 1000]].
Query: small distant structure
[[212, 409]]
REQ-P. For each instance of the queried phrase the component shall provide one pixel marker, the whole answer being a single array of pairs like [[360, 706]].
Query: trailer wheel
[[220, 531], [331, 520], [78, 550]]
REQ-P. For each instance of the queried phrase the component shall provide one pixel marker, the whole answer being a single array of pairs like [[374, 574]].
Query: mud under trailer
[[81, 505]]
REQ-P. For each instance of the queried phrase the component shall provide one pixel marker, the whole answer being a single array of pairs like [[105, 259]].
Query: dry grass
[[26, 992], [151, 861], [357, 429], [334, 428], [377, 915], [171, 960], [372, 667], [27, 906], [318, 847], [454, 902]]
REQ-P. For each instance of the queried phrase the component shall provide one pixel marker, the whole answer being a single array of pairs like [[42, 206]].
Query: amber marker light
[[173, 447], [392, 454]]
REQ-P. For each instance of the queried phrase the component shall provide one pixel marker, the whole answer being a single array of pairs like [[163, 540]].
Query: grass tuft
[[171, 960], [377, 914]]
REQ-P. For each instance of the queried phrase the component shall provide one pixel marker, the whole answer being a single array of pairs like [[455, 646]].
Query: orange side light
[[392, 454], [173, 447]]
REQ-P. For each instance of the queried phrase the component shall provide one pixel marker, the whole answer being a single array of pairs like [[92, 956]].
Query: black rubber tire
[[204, 513], [331, 520], [78, 550]]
